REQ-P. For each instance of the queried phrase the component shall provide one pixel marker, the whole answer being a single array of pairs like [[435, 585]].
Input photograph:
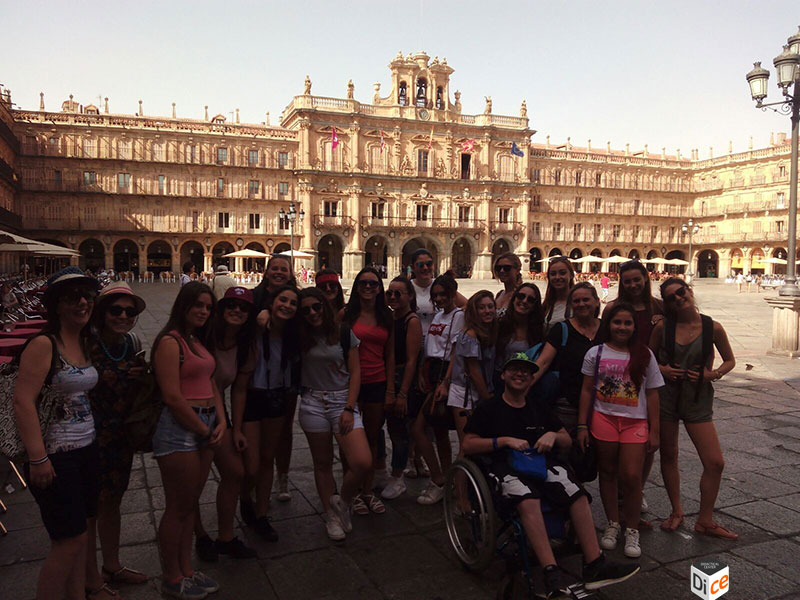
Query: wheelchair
[[482, 526]]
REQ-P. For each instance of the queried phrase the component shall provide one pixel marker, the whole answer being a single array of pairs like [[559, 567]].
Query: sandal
[[375, 504], [672, 523], [411, 472], [715, 530], [423, 469], [124, 575], [104, 593], [359, 506]]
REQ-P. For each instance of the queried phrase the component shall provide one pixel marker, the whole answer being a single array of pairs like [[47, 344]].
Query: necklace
[[116, 358]]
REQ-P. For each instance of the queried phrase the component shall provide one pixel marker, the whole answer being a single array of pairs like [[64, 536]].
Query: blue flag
[[515, 150]]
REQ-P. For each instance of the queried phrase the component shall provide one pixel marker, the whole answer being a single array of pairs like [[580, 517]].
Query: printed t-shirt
[[616, 394], [469, 347], [325, 366], [425, 307], [442, 327]]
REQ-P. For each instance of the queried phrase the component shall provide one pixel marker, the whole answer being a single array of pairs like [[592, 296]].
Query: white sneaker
[[394, 488], [645, 506], [632, 548], [432, 494], [342, 512], [381, 479], [610, 535], [282, 487], [334, 526]]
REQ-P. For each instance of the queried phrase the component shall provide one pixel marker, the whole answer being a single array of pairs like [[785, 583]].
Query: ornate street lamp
[[292, 216], [691, 228], [787, 68]]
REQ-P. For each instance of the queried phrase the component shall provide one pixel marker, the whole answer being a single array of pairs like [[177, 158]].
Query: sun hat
[[520, 358], [222, 269], [238, 293], [119, 288], [68, 275]]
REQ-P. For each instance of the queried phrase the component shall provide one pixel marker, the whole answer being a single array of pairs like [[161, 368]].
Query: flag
[[468, 145], [515, 150], [334, 139], [430, 139], [383, 142]]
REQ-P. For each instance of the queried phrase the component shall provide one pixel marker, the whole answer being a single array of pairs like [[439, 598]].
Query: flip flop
[[672, 523], [124, 575], [715, 530]]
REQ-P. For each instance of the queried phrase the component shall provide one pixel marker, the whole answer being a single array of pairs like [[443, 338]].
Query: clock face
[[423, 114]]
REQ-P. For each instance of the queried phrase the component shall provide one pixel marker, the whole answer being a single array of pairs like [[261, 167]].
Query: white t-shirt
[[558, 314], [425, 308], [616, 394], [442, 326], [185, 279]]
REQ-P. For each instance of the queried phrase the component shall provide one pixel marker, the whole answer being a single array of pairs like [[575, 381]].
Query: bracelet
[[583, 427], [717, 374], [494, 443], [41, 461], [350, 409], [402, 394], [447, 380]]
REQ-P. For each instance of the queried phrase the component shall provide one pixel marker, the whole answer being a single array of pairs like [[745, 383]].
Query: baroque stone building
[[376, 181]]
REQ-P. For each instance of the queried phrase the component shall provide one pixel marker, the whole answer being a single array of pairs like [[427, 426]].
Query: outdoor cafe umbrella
[[587, 259], [616, 259], [246, 253], [548, 259], [774, 261], [296, 254], [676, 261], [659, 261]]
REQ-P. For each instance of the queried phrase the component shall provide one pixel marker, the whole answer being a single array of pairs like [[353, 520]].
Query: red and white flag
[[334, 139], [468, 145], [430, 139], [383, 142]]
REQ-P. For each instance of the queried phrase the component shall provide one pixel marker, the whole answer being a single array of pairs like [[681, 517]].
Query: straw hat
[[68, 275], [119, 288]]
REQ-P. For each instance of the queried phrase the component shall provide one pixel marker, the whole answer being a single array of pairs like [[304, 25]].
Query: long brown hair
[[535, 326], [486, 334], [308, 338], [549, 295], [515, 261], [652, 305], [639, 353]]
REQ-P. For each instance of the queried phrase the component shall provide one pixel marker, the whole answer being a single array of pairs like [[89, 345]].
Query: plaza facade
[[375, 182]]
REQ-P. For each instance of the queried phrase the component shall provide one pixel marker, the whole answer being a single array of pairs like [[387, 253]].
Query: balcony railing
[[337, 221], [438, 223], [506, 226]]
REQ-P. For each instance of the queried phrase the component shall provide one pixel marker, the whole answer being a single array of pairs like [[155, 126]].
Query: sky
[[667, 74]]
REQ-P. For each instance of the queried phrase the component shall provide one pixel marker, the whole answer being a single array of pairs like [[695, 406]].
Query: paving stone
[[241, 579], [301, 534], [394, 558], [657, 584], [313, 574], [773, 556], [135, 501], [298, 506], [791, 501], [791, 431], [138, 479], [449, 585], [19, 580], [22, 516], [137, 528], [24, 545], [757, 485], [767, 515]]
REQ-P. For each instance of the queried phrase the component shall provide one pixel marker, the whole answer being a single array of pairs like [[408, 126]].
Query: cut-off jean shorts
[[171, 436], [320, 411]]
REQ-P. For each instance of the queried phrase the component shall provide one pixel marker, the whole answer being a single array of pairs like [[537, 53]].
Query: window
[[464, 213], [782, 171], [557, 176], [89, 178], [283, 188], [598, 231], [252, 157], [503, 215], [577, 229], [536, 230], [781, 200], [90, 148], [254, 220], [222, 156], [54, 211], [159, 219], [779, 226], [422, 162], [672, 233], [578, 177], [89, 213], [598, 204], [636, 232], [331, 208], [757, 227], [578, 204], [378, 210], [536, 201], [422, 212], [223, 220], [220, 186], [283, 222], [195, 221], [598, 179], [653, 233], [465, 165], [537, 175], [162, 184], [158, 151], [191, 153], [57, 179], [615, 231], [252, 187], [124, 180], [54, 146], [283, 159], [124, 149], [556, 231]]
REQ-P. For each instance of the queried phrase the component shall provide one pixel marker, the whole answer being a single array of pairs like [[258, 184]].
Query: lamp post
[[292, 215], [691, 228], [787, 67]]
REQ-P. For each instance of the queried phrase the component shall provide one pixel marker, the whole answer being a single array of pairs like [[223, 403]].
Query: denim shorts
[[265, 404], [171, 436], [372, 393], [320, 411]]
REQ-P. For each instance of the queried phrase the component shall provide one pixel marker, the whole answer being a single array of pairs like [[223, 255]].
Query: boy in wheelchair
[[512, 422]]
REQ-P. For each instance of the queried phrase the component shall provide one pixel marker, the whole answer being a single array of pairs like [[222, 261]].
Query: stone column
[[175, 266], [207, 262], [785, 326], [305, 144], [307, 231], [109, 259], [238, 264]]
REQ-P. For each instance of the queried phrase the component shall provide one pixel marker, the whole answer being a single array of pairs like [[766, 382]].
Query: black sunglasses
[[367, 283], [502, 268], [75, 295], [328, 285], [424, 263], [237, 305], [394, 293], [316, 307], [115, 311], [681, 291], [523, 297]]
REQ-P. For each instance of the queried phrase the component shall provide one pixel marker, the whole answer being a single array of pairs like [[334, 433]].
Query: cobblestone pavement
[[404, 554]]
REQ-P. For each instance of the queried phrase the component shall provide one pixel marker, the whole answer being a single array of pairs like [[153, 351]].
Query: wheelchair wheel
[[469, 515]]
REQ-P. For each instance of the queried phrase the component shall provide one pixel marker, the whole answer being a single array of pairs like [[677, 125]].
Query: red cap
[[238, 293]]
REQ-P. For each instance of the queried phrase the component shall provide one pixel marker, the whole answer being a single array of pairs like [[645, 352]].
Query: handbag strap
[[594, 385], [442, 373]]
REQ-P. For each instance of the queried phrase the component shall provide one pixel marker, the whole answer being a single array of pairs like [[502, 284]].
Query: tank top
[[371, 351], [196, 370], [227, 368], [425, 308], [400, 332], [686, 356], [75, 428]]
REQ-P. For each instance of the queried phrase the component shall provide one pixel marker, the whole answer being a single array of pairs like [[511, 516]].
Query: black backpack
[[707, 336]]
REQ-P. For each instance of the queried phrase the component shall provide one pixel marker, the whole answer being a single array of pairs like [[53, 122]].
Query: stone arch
[[282, 247], [462, 257], [675, 268], [376, 253], [254, 264], [330, 251], [218, 253], [159, 256], [596, 267], [757, 264], [556, 252], [93, 255], [708, 264], [193, 252], [126, 256], [501, 246], [782, 254], [634, 254], [413, 243], [536, 256]]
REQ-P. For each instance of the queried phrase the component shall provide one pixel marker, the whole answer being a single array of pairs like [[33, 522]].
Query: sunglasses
[[116, 311], [394, 293], [308, 309], [328, 285], [424, 263], [523, 297], [367, 283], [502, 268], [75, 295], [681, 291], [237, 305]]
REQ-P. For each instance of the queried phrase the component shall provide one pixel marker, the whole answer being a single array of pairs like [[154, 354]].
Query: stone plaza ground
[[405, 554]]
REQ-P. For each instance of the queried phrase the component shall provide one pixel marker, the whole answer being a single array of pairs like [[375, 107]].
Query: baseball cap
[[520, 358], [238, 293]]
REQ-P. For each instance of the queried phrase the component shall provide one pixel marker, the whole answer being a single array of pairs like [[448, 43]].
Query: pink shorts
[[624, 430]]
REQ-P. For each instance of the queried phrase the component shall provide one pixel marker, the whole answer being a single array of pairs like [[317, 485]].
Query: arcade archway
[[708, 264], [376, 254], [329, 253], [461, 261], [415, 244], [218, 255], [536, 257], [192, 252], [126, 257], [93, 255], [159, 257]]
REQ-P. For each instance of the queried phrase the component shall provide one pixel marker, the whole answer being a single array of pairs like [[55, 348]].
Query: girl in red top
[[367, 314]]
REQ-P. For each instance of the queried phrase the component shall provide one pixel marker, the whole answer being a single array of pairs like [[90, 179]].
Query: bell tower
[[417, 81]]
